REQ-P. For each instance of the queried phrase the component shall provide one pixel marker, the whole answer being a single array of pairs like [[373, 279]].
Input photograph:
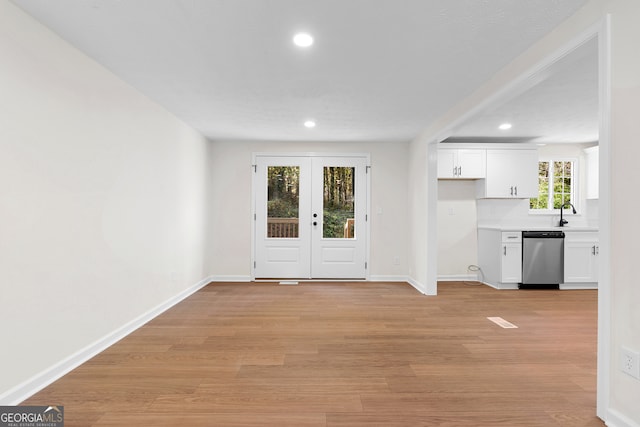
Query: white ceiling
[[378, 70], [561, 107]]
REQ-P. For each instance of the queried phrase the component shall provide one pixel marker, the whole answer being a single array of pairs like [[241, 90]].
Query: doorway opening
[[599, 33]]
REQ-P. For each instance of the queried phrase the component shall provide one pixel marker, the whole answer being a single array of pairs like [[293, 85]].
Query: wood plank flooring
[[346, 354]]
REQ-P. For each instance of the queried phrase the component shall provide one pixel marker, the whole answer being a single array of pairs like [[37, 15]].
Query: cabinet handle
[[516, 187], [459, 170], [455, 171], [597, 250], [593, 249], [512, 190], [504, 250]]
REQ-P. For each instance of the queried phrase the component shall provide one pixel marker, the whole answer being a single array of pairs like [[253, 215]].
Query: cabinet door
[[581, 262], [511, 262], [472, 163], [500, 171], [525, 163], [511, 174], [593, 171], [447, 163]]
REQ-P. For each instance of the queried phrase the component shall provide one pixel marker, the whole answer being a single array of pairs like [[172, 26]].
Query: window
[[556, 185]]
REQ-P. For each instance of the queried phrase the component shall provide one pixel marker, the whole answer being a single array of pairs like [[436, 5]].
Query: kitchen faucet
[[564, 221]]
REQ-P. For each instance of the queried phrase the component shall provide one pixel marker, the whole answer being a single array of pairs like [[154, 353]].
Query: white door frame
[[254, 188]]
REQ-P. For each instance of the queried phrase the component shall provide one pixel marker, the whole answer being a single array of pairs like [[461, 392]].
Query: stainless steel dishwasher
[[542, 258]]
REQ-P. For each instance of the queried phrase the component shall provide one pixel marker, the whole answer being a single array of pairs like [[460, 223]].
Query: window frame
[[575, 184]]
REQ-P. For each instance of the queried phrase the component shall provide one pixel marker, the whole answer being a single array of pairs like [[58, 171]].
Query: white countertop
[[566, 228]]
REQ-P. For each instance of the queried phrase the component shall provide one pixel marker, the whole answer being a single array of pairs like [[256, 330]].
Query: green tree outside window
[[555, 185]]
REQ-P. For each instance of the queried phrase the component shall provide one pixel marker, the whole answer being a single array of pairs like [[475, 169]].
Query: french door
[[310, 217]]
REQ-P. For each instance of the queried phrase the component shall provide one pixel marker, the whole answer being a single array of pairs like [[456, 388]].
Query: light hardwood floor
[[346, 354]]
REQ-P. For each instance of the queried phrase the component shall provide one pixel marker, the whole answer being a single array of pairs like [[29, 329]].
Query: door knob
[[315, 215], [315, 223]]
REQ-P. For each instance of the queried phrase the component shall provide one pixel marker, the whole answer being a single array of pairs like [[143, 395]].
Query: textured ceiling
[[378, 70], [562, 107]]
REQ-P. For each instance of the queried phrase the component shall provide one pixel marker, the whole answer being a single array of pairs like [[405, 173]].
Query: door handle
[[315, 223]]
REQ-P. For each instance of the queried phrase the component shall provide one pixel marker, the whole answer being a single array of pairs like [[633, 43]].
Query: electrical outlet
[[630, 362]]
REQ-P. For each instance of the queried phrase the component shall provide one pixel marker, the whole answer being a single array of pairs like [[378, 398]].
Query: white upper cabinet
[[461, 163], [510, 173], [592, 174]]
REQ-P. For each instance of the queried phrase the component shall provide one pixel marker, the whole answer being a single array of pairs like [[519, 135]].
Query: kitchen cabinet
[[510, 173], [593, 171], [511, 261], [461, 163], [500, 257], [581, 253]]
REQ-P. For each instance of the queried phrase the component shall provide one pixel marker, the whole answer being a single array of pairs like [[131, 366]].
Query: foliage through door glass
[[338, 203], [283, 194]]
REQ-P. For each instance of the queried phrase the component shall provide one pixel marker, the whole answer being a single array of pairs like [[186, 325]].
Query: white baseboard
[[385, 278], [419, 286], [458, 278], [572, 286], [39, 381], [491, 285], [230, 278], [616, 419]]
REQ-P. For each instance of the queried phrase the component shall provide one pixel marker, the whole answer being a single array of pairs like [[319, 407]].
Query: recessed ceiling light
[[505, 126], [303, 40], [310, 124]]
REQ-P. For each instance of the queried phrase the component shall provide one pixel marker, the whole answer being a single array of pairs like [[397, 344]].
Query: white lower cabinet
[[500, 257], [581, 253], [511, 263]]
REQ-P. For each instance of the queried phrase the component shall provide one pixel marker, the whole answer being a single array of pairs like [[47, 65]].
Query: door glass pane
[[339, 205], [283, 186]]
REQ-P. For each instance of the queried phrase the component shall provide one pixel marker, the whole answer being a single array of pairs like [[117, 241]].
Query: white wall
[[618, 293], [457, 228], [422, 216], [102, 202], [229, 255], [625, 175]]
